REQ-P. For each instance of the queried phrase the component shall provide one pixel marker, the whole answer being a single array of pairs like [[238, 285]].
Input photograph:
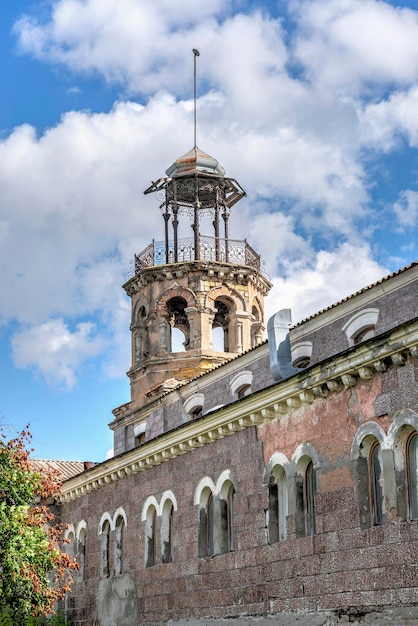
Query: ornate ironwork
[[211, 249]]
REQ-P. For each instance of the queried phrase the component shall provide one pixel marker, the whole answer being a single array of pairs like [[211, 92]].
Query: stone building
[[252, 480]]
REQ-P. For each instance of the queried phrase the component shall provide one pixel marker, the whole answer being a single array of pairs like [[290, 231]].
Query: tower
[[195, 287]]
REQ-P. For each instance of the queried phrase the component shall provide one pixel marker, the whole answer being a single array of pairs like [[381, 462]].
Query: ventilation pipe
[[279, 345]]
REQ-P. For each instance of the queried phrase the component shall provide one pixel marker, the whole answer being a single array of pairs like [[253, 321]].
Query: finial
[[196, 54]]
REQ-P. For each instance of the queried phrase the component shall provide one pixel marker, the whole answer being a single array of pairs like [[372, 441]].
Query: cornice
[[331, 376]]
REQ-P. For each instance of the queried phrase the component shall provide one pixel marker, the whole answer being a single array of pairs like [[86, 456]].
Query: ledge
[[333, 376]]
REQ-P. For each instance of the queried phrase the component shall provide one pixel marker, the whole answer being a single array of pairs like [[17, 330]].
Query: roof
[[195, 161], [67, 469]]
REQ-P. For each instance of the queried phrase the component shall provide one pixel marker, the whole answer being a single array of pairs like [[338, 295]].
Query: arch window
[[376, 484], [305, 498], [70, 541], [81, 549], [367, 453], [412, 474], [240, 384], [220, 330], [179, 324], [194, 406], [301, 354], [119, 532], [230, 534], [226, 538], [361, 326], [104, 549], [140, 433], [277, 509], [206, 523], [150, 537], [167, 532]]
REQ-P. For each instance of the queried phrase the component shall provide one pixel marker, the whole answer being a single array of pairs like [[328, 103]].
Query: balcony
[[210, 249]]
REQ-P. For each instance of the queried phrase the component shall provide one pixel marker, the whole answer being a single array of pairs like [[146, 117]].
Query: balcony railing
[[210, 249]]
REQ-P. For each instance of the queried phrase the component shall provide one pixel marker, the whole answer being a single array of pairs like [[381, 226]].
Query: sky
[[310, 104]]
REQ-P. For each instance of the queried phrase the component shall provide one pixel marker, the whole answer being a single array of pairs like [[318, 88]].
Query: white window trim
[[356, 323]]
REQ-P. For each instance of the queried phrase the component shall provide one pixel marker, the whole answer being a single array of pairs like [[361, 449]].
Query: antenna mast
[[196, 54]]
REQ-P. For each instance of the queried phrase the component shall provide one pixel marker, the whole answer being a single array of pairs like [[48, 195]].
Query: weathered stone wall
[[338, 576]]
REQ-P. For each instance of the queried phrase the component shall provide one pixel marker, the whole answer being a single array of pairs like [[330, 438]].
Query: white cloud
[[308, 287], [406, 208], [384, 124], [352, 44], [72, 210], [55, 351]]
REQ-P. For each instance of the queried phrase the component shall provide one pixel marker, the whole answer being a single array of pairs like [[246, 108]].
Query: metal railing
[[210, 249]]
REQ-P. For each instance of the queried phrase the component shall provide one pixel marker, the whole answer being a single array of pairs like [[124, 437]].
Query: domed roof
[[195, 161]]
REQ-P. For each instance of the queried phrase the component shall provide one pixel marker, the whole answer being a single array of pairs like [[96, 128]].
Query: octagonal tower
[[194, 287]]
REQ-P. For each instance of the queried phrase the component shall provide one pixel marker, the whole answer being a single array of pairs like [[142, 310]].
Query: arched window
[[277, 508], [305, 497], [104, 549], [167, 532], [119, 532], [70, 541], [150, 537], [226, 502], [206, 523], [81, 549], [367, 453], [361, 326], [309, 498], [179, 323], [301, 354], [376, 484], [193, 406], [240, 384], [220, 338], [412, 474]]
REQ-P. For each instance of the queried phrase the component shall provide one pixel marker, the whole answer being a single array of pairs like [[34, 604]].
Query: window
[[81, 549], [240, 384], [367, 453], [167, 532], [305, 496], [301, 354], [206, 523], [119, 531], [193, 406], [226, 538], [150, 537], [104, 549], [140, 433], [309, 499], [361, 326], [230, 519], [277, 505], [412, 474]]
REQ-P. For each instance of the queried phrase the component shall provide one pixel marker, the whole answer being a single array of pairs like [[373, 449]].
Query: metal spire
[[196, 53]]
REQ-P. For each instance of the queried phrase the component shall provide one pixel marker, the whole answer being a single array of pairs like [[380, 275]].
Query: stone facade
[[289, 502]]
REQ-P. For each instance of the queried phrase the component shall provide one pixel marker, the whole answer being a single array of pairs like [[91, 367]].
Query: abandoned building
[[252, 478]]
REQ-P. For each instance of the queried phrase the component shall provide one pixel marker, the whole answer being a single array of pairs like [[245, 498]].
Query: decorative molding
[[332, 376]]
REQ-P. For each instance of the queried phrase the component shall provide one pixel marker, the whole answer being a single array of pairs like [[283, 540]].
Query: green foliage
[[58, 619], [33, 567]]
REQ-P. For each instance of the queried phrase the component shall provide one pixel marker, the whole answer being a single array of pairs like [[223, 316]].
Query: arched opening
[[179, 323], [119, 532], [105, 541], [412, 474], [150, 537], [220, 326], [167, 532], [277, 505], [206, 523], [81, 554]]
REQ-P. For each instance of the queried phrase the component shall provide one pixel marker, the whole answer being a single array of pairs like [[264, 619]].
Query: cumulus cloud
[[331, 275], [406, 208], [54, 350], [288, 114], [350, 44]]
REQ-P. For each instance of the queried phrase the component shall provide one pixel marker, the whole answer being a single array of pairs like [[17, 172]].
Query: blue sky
[[310, 105]]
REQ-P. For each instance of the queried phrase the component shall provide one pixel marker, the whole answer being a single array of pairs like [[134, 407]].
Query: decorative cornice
[[331, 376]]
